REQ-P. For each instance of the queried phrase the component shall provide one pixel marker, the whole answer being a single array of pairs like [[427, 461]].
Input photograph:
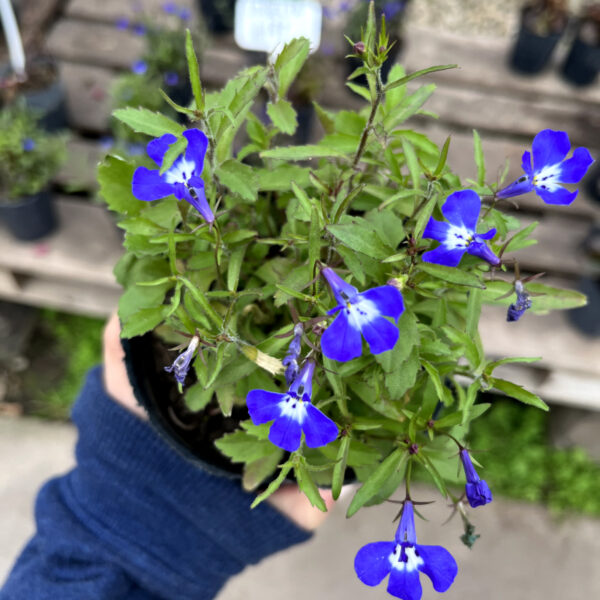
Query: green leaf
[[257, 471], [409, 338], [443, 393], [308, 487], [289, 62], [479, 158], [274, 485], [452, 275], [518, 393], [377, 479], [403, 378], [278, 179], [239, 178], [143, 321], [424, 215], [326, 118], [283, 116], [339, 469], [302, 152], [443, 157], [473, 313], [411, 76], [145, 121], [175, 150], [511, 359], [196, 397], [242, 447], [114, 177], [412, 163], [359, 235], [194, 71], [233, 269]]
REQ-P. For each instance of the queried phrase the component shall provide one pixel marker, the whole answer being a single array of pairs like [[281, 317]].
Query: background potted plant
[[29, 159], [542, 24], [218, 15], [37, 81], [583, 60], [249, 291]]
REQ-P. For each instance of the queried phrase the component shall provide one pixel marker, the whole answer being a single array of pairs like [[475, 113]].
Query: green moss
[[65, 348], [520, 463]]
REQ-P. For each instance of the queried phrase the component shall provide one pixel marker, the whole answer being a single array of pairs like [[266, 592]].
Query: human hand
[[287, 500]]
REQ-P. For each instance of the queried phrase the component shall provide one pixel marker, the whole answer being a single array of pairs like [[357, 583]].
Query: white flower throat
[[180, 172], [547, 177], [406, 558], [361, 312], [458, 237], [293, 407]]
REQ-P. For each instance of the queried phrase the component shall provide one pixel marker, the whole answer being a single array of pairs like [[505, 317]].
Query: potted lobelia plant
[[310, 313], [583, 61], [29, 159], [542, 24]]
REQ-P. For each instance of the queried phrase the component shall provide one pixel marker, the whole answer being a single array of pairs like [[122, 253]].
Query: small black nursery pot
[[542, 25], [218, 14], [583, 61], [29, 218]]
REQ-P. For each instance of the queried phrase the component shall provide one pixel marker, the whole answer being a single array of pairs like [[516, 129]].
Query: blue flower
[[292, 413], [391, 9], [550, 168], [122, 23], [139, 29], [360, 314], [478, 492], [28, 145], [516, 310], [185, 14], [181, 364], [182, 179], [403, 559], [458, 235], [139, 67], [171, 78], [170, 8], [291, 358]]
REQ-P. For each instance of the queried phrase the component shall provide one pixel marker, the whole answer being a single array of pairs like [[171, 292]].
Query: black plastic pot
[[582, 63], [592, 183], [218, 14], [532, 52], [155, 390], [49, 100], [30, 218]]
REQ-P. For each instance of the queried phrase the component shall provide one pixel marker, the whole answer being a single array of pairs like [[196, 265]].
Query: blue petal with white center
[[478, 491], [550, 169], [403, 560], [458, 235], [182, 179], [360, 315], [292, 413]]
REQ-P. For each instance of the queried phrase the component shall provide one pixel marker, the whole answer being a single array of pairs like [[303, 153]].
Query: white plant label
[[267, 25]]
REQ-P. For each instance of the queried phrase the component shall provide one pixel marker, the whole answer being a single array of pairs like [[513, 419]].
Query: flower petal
[[157, 148], [481, 250], [286, 433], [148, 185], [405, 584], [196, 148], [442, 256], [200, 203], [478, 493], [439, 565], [381, 335], [339, 286], [387, 299], [341, 341], [319, 429], [526, 164], [549, 147], [462, 208], [372, 562], [520, 186], [436, 230], [264, 406], [559, 195], [406, 531], [488, 235], [573, 169]]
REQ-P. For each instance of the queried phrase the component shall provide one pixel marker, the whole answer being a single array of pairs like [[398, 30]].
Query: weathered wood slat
[[88, 100], [108, 11], [84, 249], [483, 66], [79, 171]]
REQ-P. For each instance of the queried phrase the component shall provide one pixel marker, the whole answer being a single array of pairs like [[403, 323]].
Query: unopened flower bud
[[359, 47]]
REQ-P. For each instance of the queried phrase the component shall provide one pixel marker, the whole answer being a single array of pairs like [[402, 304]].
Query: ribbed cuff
[[160, 511]]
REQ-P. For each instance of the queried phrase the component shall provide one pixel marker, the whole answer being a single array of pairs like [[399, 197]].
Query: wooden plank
[[483, 66], [87, 96], [94, 44], [79, 171], [567, 355], [109, 11], [84, 249], [69, 296]]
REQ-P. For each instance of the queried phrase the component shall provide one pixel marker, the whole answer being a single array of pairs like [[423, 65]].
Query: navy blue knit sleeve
[[136, 521]]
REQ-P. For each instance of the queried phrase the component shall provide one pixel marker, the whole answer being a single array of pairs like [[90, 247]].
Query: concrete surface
[[523, 552]]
